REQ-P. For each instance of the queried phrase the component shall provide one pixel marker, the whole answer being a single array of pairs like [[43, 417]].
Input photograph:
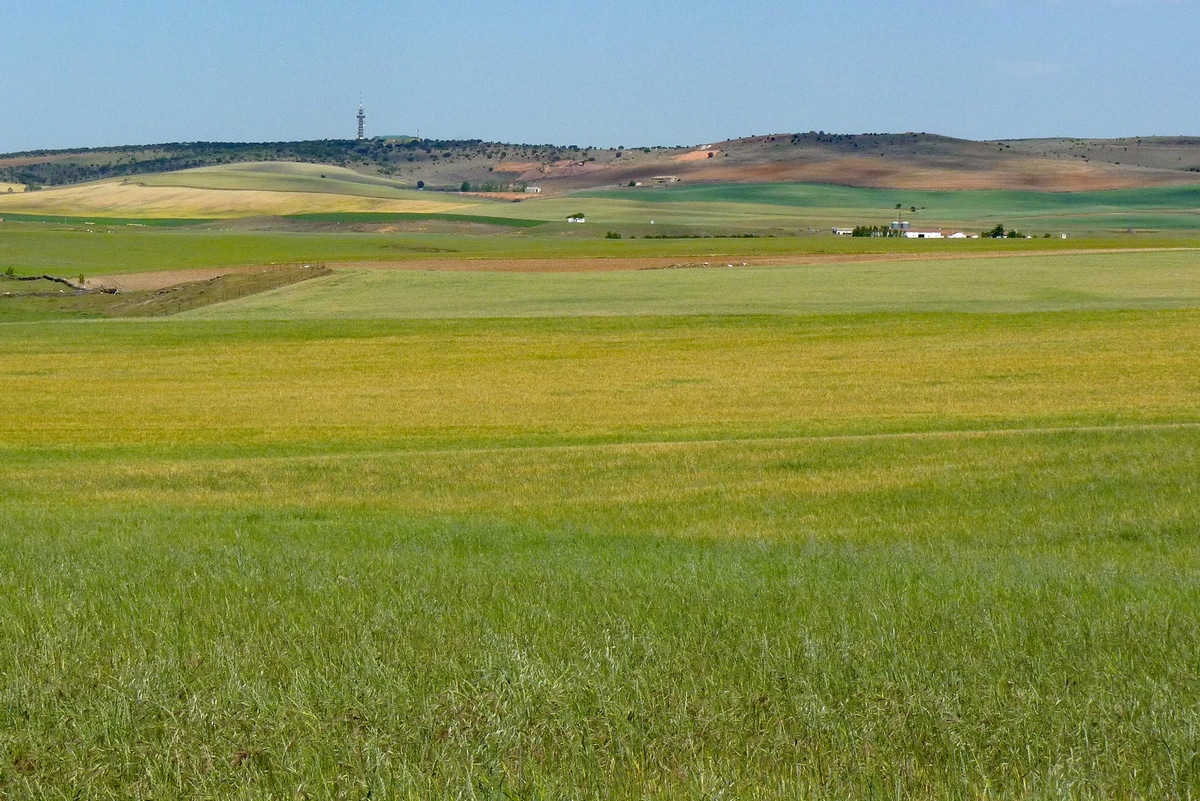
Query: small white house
[[843, 231], [577, 218], [923, 235], [533, 190]]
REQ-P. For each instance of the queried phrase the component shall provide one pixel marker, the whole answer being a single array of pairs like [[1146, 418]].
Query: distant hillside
[[62, 167], [908, 161]]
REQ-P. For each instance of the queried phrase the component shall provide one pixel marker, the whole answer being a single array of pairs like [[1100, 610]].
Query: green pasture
[[88, 221], [1160, 207], [1014, 283], [855, 555], [385, 217], [71, 250]]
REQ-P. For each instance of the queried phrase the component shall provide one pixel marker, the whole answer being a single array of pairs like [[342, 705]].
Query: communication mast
[[362, 118]]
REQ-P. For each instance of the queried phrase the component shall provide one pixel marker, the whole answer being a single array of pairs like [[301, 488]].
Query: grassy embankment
[[26, 301], [934, 555]]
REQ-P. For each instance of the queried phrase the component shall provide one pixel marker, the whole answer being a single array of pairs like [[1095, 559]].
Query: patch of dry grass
[[537, 380], [128, 199]]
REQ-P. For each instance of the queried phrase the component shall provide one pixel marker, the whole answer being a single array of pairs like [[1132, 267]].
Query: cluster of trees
[[876, 230], [91, 164], [999, 233], [382, 155], [706, 236]]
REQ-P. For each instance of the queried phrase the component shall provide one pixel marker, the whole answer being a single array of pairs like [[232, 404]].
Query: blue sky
[[89, 73]]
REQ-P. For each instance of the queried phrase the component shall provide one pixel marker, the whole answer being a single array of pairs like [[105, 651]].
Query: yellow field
[[285, 177], [121, 199], [4, 188]]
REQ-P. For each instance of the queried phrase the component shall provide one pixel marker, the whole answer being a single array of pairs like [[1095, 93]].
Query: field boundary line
[[157, 279], [577, 264], [665, 444]]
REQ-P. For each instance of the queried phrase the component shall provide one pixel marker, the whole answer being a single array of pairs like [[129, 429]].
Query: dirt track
[[158, 280]]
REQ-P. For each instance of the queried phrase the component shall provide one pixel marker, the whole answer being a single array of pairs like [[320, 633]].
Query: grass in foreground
[[621, 558], [1003, 616]]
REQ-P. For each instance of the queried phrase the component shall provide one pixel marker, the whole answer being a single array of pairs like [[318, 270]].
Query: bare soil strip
[[139, 281]]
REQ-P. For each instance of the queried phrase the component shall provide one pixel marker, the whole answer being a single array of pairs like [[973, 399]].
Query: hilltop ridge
[[904, 160]]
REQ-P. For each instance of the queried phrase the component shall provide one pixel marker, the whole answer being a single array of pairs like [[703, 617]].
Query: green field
[[795, 206], [1040, 282], [939, 555], [920, 528], [1168, 208], [71, 250]]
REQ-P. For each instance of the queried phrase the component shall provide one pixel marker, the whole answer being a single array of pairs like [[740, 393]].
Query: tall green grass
[[889, 555], [1004, 617]]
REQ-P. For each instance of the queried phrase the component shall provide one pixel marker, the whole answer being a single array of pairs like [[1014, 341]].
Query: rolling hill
[[916, 161]]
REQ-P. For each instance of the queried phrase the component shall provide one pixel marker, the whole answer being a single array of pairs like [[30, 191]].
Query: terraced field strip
[[620, 264], [800, 284]]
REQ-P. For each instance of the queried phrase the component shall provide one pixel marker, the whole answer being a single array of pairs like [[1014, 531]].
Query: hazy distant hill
[[908, 160]]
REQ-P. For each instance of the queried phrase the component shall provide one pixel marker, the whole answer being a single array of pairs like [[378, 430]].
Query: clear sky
[[88, 73]]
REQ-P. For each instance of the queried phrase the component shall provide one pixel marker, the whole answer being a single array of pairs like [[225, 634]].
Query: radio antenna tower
[[362, 118]]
